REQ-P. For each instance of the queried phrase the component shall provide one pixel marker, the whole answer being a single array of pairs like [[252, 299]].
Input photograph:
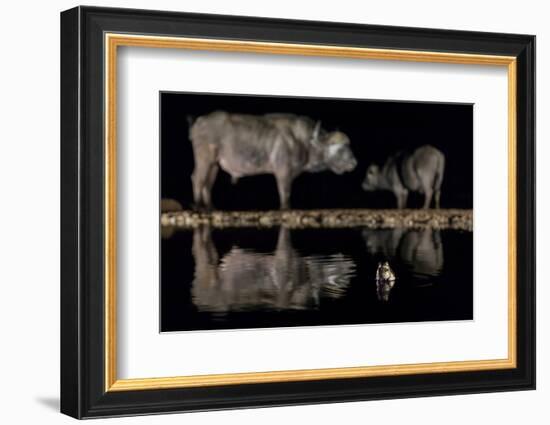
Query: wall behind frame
[[29, 219]]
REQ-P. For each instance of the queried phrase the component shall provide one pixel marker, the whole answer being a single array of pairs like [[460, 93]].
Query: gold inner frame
[[113, 41]]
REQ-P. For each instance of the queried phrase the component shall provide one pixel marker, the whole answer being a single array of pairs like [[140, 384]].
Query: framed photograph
[[261, 212]]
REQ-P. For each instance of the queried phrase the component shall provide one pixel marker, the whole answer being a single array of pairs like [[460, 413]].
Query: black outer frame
[[82, 212]]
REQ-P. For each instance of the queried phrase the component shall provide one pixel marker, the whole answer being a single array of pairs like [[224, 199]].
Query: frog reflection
[[420, 249], [281, 280]]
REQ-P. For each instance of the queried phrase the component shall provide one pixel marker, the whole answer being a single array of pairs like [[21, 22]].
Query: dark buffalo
[[284, 145], [419, 171]]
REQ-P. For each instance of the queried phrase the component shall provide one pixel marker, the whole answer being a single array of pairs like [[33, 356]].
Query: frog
[[385, 279], [384, 272]]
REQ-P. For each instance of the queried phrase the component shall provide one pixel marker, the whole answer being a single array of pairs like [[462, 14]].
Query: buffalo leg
[[398, 198], [404, 196], [284, 183], [427, 185], [427, 198], [401, 199], [437, 197], [198, 178], [205, 160], [207, 188]]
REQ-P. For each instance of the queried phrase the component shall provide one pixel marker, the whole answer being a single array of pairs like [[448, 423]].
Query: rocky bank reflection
[[245, 280]]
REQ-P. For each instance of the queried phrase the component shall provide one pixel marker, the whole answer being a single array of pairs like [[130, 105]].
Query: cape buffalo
[[284, 145], [419, 171]]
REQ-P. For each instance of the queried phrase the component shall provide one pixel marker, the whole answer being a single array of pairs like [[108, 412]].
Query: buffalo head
[[372, 178], [336, 152]]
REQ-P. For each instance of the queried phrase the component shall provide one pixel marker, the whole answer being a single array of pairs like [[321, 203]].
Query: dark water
[[250, 278]]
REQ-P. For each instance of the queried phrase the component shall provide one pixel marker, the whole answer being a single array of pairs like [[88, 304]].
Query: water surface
[[252, 278]]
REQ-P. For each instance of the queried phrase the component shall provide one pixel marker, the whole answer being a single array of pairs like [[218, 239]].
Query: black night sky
[[377, 129]]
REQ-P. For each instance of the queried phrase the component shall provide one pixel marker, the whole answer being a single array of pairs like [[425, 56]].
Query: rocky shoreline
[[456, 219]]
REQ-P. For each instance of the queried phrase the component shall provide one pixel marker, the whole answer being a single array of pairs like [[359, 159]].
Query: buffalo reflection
[[247, 280], [420, 249]]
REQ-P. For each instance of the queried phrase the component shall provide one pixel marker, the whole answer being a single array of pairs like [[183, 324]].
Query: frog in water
[[384, 272], [385, 279]]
